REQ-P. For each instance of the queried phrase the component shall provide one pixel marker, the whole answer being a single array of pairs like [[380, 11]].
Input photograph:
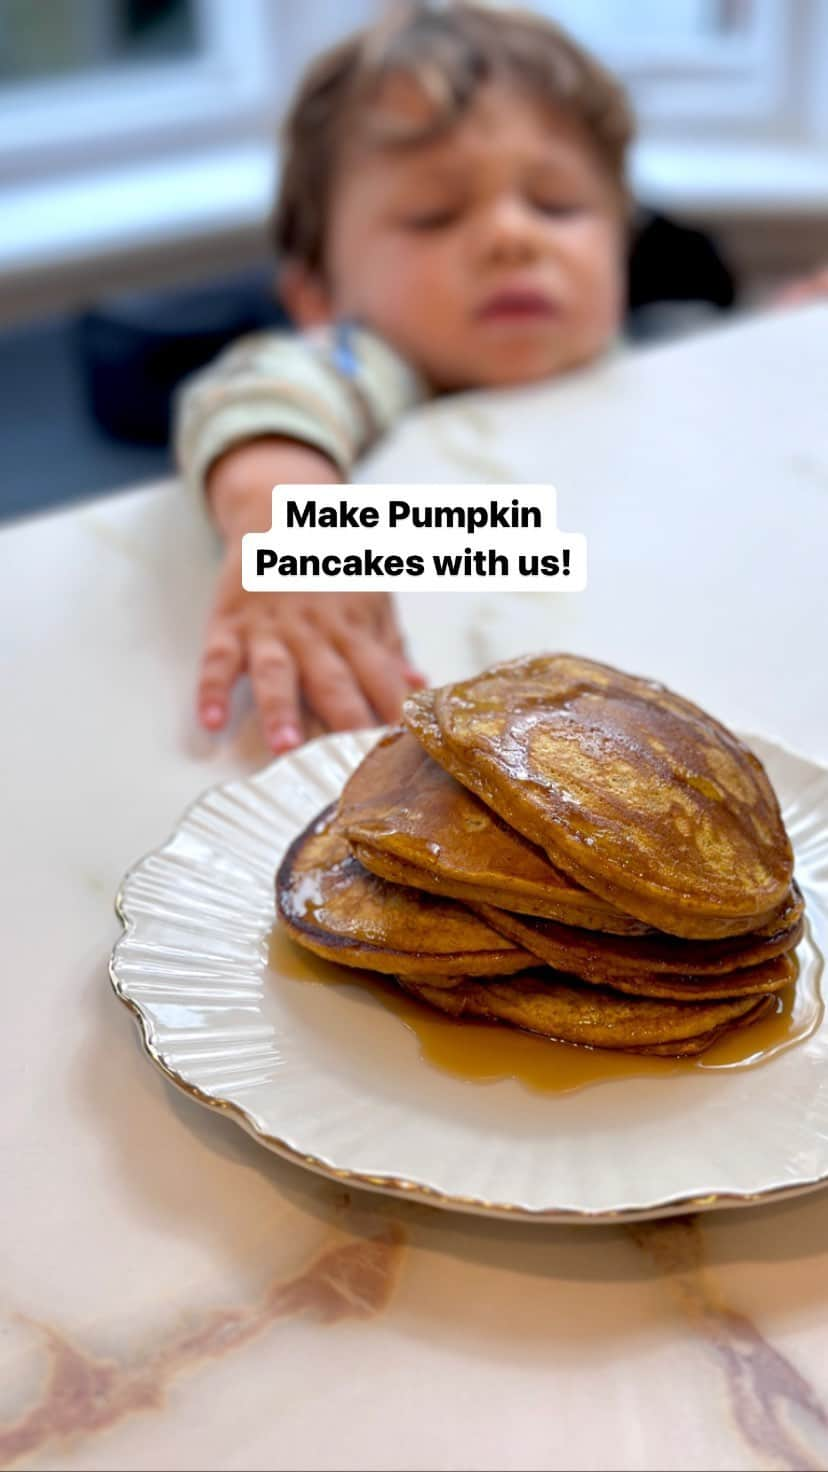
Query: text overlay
[[431, 538]]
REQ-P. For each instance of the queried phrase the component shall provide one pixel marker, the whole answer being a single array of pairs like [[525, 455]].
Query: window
[[120, 82], [87, 83], [50, 41], [749, 67]]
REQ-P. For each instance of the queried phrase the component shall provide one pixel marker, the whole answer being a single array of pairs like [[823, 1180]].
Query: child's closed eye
[[561, 209], [438, 219]]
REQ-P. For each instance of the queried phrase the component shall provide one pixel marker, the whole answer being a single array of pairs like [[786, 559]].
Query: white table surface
[[171, 1294]]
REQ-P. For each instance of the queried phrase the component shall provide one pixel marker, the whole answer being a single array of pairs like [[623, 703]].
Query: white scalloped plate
[[329, 1078]]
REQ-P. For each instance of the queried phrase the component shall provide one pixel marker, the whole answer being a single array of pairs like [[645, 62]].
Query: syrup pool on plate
[[484, 1052]]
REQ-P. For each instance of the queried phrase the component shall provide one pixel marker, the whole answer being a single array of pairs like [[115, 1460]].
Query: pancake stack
[[564, 848]]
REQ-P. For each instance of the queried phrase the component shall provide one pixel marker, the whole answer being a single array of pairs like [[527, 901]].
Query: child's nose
[[511, 231]]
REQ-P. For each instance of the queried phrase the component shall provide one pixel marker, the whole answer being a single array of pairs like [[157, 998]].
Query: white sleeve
[[337, 388]]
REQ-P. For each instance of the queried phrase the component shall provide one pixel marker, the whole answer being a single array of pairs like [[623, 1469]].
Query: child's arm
[[285, 409], [337, 656], [337, 389]]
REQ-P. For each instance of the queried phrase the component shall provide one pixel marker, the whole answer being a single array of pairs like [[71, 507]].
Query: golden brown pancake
[[408, 821], [635, 793], [755, 981], [333, 907], [544, 1003], [599, 958], [766, 976]]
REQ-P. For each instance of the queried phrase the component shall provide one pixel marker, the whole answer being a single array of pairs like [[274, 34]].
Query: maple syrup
[[485, 1052]]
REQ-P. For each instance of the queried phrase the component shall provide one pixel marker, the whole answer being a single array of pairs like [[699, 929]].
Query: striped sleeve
[[337, 388]]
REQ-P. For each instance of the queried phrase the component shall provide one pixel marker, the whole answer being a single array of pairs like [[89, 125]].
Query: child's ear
[[304, 295]]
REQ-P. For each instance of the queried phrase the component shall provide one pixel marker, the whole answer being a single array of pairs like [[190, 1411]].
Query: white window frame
[[776, 87], [232, 90], [768, 84]]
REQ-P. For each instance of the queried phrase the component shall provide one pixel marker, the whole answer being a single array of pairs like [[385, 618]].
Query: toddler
[[452, 214]]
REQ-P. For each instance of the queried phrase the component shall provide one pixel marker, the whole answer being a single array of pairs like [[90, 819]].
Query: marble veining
[[777, 1410], [83, 1395]]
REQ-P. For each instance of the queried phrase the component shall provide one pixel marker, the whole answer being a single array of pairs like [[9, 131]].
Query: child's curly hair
[[450, 51]]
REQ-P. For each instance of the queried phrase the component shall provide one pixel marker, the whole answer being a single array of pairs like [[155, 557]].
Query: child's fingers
[[389, 632], [415, 679], [388, 628], [276, 691], [221, 664], [332, 690], [380, 673]]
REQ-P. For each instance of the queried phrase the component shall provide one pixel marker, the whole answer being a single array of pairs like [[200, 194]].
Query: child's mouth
[[517, 304]]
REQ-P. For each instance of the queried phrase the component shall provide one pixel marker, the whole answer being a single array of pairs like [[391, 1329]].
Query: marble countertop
[[171, 1294]]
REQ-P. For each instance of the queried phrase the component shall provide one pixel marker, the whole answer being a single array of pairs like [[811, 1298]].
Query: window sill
[[717, 179], [120, 227]]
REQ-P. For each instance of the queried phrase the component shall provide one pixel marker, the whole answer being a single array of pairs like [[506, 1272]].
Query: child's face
[[492, 255]]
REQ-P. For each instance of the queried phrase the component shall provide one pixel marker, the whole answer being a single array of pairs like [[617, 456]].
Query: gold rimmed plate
[[318, 1067]]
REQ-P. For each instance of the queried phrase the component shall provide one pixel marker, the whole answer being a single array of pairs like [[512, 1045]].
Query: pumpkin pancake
[[753, 980], [333, 907], [408, 821], [598, 957], [549, 1004], [635, 793]]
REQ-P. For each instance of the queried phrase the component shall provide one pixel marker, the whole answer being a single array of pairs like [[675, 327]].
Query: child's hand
[[338, 656]]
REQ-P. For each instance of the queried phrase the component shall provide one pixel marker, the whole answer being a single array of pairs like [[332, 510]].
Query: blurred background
[[137, 169]]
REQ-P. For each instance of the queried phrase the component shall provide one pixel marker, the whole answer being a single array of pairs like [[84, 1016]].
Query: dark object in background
[[675, 263], [676, 277], [137, 348], [53, 451]]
